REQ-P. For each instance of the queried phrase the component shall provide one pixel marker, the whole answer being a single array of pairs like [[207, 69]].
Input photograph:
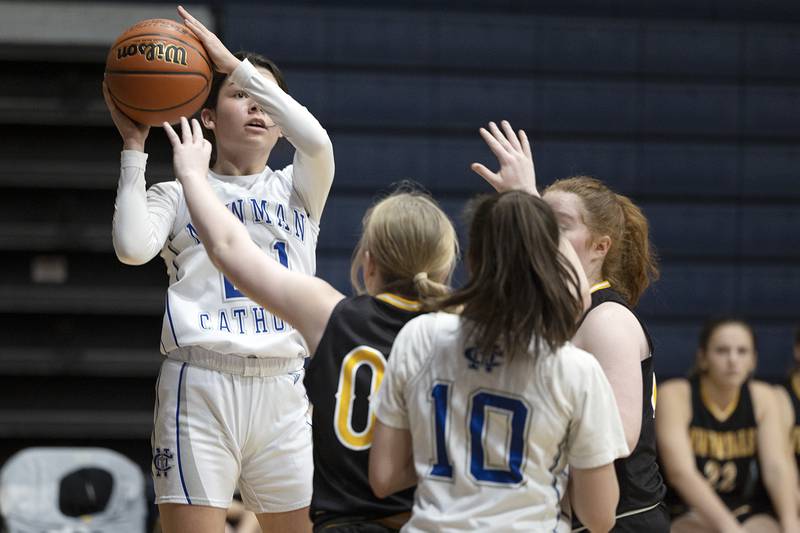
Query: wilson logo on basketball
[[155, 51]]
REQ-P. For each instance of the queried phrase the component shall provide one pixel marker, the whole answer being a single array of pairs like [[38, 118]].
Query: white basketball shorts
[[215, 431]]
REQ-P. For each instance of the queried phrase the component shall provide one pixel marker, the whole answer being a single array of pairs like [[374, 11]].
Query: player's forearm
[[780, 483], [133, 235], [298, 125], [313, 159], [698, 494]]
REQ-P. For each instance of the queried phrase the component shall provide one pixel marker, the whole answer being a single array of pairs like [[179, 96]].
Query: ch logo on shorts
[[161, 460]]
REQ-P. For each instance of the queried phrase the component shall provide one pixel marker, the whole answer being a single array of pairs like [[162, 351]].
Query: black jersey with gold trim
[[344, 374], [793, 387], [641, 486], [724, 442]]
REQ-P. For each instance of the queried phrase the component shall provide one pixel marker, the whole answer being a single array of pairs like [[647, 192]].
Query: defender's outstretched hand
[[191, 153], [513, 152], [224, 61]]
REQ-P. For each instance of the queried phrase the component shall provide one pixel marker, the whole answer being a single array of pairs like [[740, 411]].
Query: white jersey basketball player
[[486, 410], [231, 409]]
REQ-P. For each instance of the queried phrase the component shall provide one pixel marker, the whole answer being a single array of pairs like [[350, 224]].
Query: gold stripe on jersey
[[399, 302], [721, 414], [605, 284], [723, 445], [796, 384]]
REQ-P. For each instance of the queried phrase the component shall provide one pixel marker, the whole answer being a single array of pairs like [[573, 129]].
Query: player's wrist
[[133, 144]]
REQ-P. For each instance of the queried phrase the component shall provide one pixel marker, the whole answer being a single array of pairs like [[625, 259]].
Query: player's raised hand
[[224, 61], [133, 133], [513, 153], [190, 152]]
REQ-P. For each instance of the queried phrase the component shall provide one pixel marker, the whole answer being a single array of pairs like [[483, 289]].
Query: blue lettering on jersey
[[280, 214], [237, 209], [478, 360], [299, 225], [260, 320], [204, 318], [223, 321], [278, 323], [193, 233], [240, 313], [260, 213]]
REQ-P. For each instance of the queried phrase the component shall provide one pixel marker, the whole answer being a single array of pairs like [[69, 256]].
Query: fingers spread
[[186, 132], [494, 145], [526, 145], [499, 136], [510, 136], [197, 132], [171, 135], [484, 172]]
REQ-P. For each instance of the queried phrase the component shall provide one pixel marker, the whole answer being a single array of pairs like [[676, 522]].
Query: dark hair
[[521, 288], [630, 264], [712, 324], [797, 336]]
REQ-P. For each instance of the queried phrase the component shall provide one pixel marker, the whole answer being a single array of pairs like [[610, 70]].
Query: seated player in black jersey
[[405, 257], [720, 440], [788, 398]]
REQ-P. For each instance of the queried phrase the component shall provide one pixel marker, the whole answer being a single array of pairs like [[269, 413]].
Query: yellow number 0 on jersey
[[346, 395]]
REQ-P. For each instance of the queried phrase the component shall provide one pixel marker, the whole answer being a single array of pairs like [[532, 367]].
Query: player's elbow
[[599, 522], [129, 256], [379, 481], [320, 145], [380, 474], [599, 513]]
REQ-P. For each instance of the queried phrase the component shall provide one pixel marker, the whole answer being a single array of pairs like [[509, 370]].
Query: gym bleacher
[[690, 107]]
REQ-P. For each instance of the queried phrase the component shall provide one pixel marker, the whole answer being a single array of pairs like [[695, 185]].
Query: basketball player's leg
[[690, 522], [180, 518], [277, 462], [761, 523], [195, 464], [296, 521]]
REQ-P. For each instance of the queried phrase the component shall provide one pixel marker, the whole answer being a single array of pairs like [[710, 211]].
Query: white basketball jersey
[[203, 308], [492, 438]]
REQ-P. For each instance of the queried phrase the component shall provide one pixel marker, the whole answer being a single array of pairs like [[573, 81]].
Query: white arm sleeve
[[313, 165], [142, 219], [596, 436]]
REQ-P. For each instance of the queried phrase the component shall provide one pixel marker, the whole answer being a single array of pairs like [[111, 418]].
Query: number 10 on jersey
[[481, 402]]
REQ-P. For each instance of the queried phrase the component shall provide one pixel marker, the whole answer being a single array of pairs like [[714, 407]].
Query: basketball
[[157, 71]]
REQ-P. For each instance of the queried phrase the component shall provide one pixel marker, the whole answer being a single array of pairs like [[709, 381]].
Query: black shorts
[[351, 524], [655, 520]]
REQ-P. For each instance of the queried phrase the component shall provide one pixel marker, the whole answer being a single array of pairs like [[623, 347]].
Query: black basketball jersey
[[641, 486], [343, 375], [793, 386], [725, 447]]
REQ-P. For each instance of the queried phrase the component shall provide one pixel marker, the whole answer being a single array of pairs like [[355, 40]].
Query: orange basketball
[[157, 71]]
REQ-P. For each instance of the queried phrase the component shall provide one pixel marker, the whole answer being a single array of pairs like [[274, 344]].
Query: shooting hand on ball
[[224, 61], [133, 134]]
